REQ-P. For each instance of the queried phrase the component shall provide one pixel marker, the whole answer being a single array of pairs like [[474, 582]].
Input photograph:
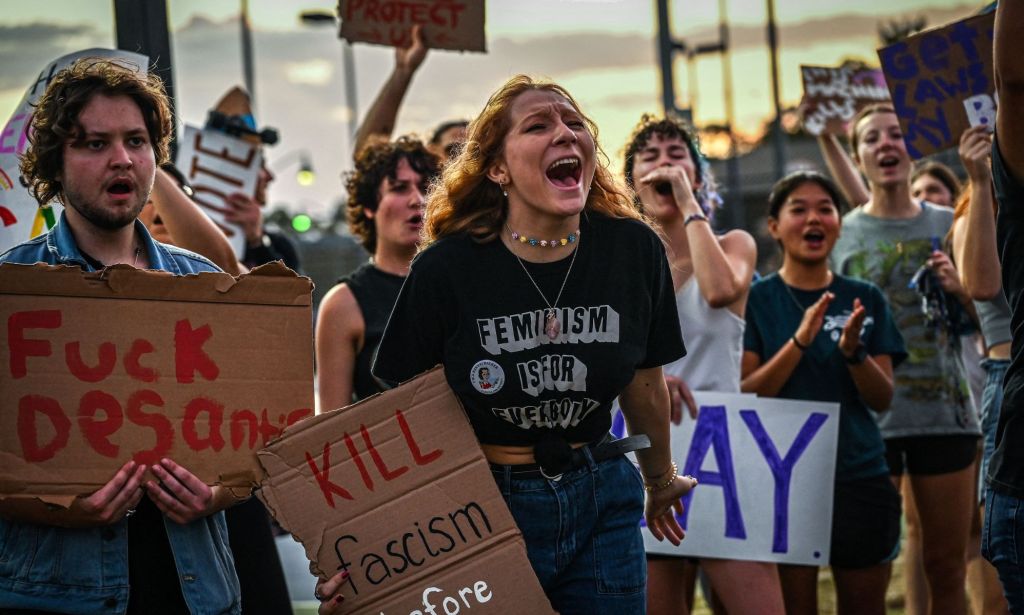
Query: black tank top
[[376, 292]]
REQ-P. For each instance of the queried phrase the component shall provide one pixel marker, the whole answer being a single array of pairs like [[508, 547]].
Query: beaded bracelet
[[674, 473]]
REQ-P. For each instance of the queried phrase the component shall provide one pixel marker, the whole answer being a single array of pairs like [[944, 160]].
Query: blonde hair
[[465, 200]]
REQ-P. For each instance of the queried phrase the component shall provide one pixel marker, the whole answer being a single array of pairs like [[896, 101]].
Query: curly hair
[[55, 120], [668, 128], [378, 161], [467, 201]]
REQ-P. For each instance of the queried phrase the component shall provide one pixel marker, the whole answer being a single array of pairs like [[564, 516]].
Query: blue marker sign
[[765, 470], [941, 82]]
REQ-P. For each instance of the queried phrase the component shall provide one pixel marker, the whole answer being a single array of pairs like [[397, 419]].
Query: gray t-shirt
[[931, 395]]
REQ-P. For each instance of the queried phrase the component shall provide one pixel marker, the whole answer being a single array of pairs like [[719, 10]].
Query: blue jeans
[[991, 400], [1002, 543], [583, 536]]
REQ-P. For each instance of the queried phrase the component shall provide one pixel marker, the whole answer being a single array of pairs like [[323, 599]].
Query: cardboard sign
[[217, 165], [833, 95], [396, 490], [765, 470], [21, 218], [99, 368], [942, 83], [447, 24]]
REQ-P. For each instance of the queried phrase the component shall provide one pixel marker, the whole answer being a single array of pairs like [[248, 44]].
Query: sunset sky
[[603, 51]]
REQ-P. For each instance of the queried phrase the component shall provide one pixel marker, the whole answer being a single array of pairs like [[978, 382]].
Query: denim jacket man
[[98, 133]]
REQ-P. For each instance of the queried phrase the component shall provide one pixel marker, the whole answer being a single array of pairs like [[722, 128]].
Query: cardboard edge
[[270, 284]]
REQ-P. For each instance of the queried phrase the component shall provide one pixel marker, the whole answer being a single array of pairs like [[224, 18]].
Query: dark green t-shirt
[[773, 315]]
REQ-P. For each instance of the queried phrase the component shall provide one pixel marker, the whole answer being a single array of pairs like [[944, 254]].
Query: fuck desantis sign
[[396, 491], [99, 368]]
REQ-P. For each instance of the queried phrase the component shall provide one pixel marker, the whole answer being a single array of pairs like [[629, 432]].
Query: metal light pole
[[247, 62], [141, 26], [773, 52]]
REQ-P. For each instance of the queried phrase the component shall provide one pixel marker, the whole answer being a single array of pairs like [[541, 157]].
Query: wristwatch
[[859, 355]]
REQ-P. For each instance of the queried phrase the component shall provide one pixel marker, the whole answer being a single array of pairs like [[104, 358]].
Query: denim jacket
[[86, 570]]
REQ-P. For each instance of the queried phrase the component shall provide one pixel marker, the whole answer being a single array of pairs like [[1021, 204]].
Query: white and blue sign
[[765, 470]]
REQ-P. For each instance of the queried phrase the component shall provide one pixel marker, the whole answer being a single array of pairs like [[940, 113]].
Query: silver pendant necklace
[[551, 325]]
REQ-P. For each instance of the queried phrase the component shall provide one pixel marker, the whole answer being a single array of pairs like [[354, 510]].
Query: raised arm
[[1009, 69], [382, 114], [189, 227], [974, 233], [724, 266], [843, 170]]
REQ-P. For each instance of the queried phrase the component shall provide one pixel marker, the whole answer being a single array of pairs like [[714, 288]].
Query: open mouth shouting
[[120, 188], [565, 172], [415, 221], [815, 238], [663, 188], [887, 162]]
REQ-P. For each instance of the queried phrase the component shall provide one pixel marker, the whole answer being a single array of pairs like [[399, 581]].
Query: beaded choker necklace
[[544, 243]]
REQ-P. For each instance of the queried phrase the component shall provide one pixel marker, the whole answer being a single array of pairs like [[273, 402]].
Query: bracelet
[[797, 343], [652, 488], [695, 218]]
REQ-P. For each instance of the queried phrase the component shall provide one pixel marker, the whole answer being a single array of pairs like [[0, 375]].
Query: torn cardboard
[[833, 95], [396, 490], [103, 367], [446, 24], [941, 83]]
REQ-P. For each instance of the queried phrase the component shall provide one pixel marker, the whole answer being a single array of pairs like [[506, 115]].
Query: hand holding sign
[[664, 504], [180, 495], [111, 502], [975, 152], [409, 58]]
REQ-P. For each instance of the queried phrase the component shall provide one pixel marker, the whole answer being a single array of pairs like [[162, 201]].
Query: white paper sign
[[765, 470], [216, 166], [21, 218]]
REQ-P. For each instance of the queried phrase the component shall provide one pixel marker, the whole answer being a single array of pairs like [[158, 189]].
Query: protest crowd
[[581, 320]]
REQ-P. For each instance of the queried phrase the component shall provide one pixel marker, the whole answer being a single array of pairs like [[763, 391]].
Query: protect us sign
[[765, 470]]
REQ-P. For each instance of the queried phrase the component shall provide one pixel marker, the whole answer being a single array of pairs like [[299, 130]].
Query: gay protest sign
[[447, 24], [99, 368], [765, 470], [941, 83], [396, 491], [21, 218], [833, 95], [217, 165]]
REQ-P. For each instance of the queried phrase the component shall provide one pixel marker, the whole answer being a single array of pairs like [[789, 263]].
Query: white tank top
[[714, 343]]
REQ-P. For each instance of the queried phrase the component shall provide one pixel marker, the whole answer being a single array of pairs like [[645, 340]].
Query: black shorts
[[919, 455], [865, 522]]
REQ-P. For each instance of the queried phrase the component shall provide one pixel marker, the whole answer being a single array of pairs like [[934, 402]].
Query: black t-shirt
[[1006, 470], [375, 292], [471, 307], [274, 247]]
